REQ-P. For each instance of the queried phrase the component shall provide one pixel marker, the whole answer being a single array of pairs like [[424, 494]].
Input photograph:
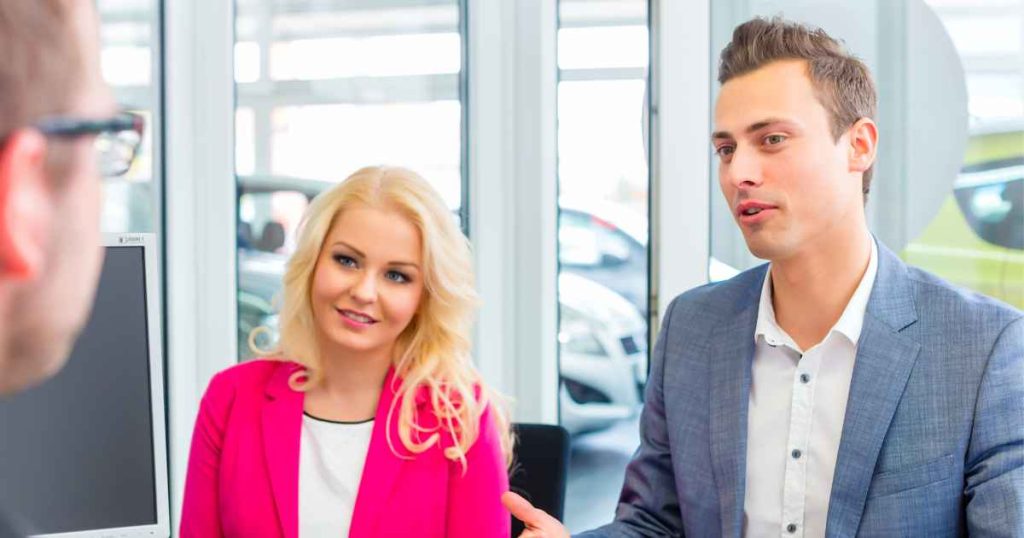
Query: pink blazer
[[243, 471]]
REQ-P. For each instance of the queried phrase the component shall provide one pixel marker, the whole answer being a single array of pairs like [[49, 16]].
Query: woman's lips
[[355, 319]]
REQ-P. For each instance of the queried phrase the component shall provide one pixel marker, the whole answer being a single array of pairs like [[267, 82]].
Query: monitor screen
[[84, 451]]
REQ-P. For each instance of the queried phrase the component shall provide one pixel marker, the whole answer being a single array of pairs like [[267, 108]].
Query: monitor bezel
[[154, 317]]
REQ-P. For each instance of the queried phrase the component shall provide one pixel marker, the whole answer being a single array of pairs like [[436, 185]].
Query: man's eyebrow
[[752, 128]]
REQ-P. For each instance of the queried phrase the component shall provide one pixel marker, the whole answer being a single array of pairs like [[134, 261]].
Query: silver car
[[603, 355]]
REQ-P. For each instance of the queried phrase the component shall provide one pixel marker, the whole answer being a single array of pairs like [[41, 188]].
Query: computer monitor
[[84, 454]]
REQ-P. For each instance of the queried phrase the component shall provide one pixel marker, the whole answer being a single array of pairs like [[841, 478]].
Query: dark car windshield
[[991, 197]]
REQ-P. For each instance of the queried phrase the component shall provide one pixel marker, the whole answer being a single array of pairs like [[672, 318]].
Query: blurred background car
[[259, 284], [610, 249], [603, 355], [977, 239], [991, 197]]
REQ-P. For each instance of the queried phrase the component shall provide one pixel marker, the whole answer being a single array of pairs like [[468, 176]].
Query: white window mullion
[[200, 215], [680, 127], [513, 198]]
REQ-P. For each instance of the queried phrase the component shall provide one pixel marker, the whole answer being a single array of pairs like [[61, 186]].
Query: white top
[[796, 410], [331, 458]]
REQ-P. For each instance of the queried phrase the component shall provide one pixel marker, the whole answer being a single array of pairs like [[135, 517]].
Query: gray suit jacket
[[933, 439]]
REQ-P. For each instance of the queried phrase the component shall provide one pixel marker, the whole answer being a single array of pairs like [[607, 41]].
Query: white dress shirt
[[331, 458], [796, 410]]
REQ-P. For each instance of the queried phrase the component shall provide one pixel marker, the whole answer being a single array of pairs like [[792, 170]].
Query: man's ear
[[27, 205], [863, 144]]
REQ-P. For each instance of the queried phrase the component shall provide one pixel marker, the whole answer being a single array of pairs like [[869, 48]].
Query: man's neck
[[16, 372], [810, 291]]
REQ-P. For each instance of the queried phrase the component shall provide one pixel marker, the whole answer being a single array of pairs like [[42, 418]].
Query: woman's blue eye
[[396, 277], [345, 261]]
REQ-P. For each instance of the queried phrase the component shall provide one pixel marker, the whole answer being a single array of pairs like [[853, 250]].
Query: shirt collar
[[850, 322]]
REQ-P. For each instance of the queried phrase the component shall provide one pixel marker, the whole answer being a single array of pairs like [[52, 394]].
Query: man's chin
[[771, 249], [30, 365], [761, 248], [28, 376]]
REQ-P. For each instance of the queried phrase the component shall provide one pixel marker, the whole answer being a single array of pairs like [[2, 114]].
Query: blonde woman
[[369, 419]]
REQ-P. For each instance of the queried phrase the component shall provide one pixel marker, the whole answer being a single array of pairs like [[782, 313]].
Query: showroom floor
[[596, 467]]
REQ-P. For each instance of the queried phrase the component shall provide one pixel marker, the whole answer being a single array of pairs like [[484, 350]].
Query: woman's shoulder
[[477, 397], [424, 395], [254, 375]]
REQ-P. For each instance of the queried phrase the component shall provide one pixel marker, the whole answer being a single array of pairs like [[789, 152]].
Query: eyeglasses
[[117, 138]]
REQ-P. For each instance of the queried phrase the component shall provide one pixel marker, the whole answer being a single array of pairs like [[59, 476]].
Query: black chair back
[[540, 468]]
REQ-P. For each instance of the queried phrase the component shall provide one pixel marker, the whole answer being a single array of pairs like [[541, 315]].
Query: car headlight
[[581, 342], [630, 345], [988, 204]]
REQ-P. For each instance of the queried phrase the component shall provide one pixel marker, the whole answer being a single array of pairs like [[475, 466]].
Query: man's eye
[[774, 139], [724, 151], [345, 261], [396, 277]]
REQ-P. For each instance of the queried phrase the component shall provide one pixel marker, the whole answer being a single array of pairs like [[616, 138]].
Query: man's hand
[[538, 523]]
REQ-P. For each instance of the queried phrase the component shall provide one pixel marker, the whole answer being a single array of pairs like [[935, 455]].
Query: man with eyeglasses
[[60, 134]]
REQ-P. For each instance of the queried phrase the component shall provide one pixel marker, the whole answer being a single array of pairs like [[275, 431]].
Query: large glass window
[[977, 238], [325, 88], [964, 222], [129, 60], [602, 245]]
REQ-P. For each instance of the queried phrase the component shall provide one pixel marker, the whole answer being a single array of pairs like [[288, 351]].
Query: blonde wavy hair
[[433, 352]]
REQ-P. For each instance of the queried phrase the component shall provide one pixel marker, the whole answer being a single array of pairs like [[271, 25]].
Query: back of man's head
[[41, 63], [842, 82], [50, 195]]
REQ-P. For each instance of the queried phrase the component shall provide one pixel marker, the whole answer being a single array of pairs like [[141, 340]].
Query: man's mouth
[[750, 208]]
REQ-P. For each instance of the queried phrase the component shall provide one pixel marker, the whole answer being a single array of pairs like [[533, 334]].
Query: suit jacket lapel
[[731, 359], [884, 361], [282, 427], [382, 467]]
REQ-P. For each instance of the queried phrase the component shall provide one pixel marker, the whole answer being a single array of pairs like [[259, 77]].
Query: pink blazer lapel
[[282, 427], [382, 467]]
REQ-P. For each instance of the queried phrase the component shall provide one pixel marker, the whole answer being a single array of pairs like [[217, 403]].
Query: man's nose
[[744, 168]]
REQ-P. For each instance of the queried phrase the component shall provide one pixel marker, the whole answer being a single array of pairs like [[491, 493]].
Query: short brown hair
[[40, 63], [842, 82]]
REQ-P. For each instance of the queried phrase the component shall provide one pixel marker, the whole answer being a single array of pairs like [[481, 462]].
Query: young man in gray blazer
[[834, 391], [53, 106]]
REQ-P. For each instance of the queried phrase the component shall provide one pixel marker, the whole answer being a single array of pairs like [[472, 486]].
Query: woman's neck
[[350, 385]]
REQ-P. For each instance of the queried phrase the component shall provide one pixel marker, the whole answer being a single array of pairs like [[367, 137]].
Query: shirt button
[[796, 454], [805, 378], [791, 528]]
